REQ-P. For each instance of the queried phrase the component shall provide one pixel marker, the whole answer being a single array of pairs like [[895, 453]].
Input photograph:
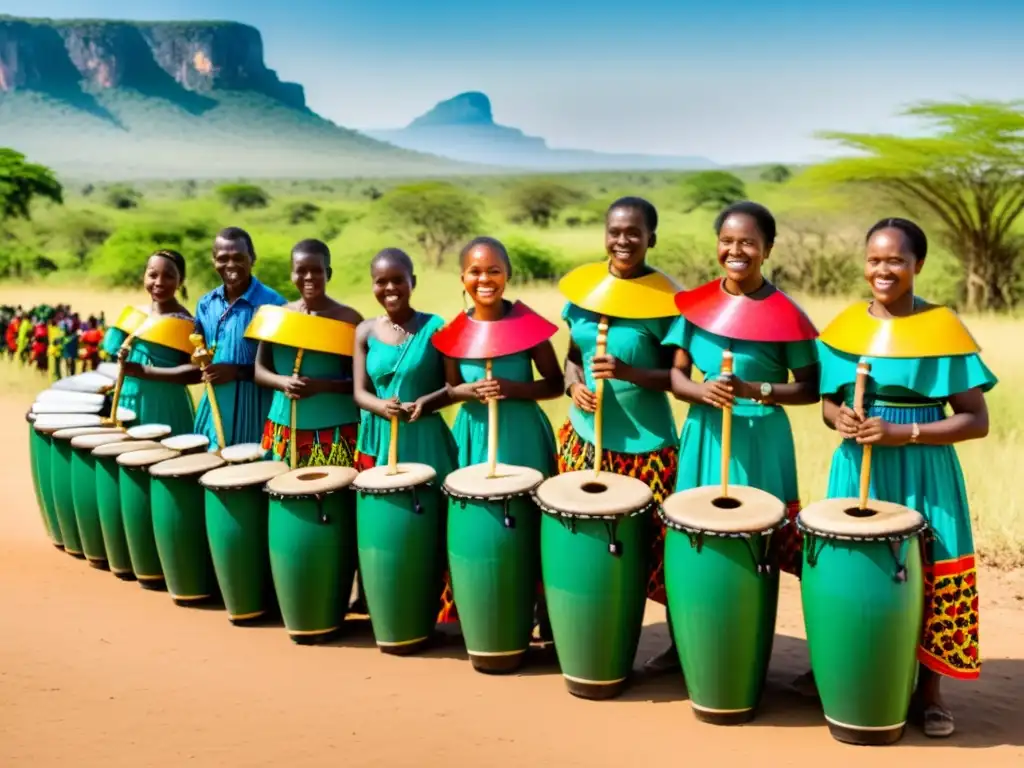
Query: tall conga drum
[[494, 561], [137, 514], [236, 528], [311, 528], [60, 479], [39, 461], [179, 525], [83, 492], [108, 502], [399, 529], [862, 590], [594, 540], [723, 590]]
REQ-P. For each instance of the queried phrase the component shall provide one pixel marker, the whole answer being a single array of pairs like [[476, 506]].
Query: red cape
[[467, 339], [775, 318]]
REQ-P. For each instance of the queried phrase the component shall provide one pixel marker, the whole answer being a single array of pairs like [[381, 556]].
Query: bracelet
[[915, 433]]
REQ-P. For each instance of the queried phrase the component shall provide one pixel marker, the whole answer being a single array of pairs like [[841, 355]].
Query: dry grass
[[990, 465]]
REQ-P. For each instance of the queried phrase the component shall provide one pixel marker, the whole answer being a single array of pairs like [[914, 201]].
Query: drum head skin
[[146, 458], [186, 466], [149, 432], [91, 382], [73, 432], [66, 406], [48, 423], [125, 446], [586, 494], [243, 475], [69, 396], [880, 520], [473, 482], [95, 440], [108, 370], [308, 481], [746, 510], [243, 452], [185, 443], [377, 480]]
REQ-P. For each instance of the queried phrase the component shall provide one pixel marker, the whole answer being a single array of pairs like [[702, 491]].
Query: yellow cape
[[130, 319], [280, 325], [594, 288], [172, 332], [932, 332]]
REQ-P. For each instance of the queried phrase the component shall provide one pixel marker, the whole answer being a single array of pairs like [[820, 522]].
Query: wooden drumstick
[[125, 345], [863, 371], [203, 358], [293, 437], [726, 426], [393, 448], [602, 349], [492, 428]]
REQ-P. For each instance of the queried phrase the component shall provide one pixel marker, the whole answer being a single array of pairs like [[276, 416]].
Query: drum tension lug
[[417, 508], [614, 545], [510, 522], [324, 517]]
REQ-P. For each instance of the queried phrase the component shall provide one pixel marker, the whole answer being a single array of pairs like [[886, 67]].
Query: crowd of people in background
[[54, 340]]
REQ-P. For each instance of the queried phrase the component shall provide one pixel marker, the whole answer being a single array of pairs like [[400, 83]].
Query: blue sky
[[739, 81]]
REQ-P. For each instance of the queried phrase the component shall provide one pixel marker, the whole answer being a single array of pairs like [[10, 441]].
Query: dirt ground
[[99, 672]]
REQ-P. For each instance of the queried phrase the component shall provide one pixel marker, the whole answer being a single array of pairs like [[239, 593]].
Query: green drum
[[594, 543], [399, 526], [108, 503], [137, 514], [494, 561], [83, 491], [179, 526], [39, 463], [863, 597], [236, 528], [62, 486], [723, 592], [311, 528]]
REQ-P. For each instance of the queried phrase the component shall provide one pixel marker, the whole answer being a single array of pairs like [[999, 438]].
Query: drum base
[[585, 689], [58, 546], [188, 602], [497, 665], [76, 555], [405, 649], [863, 738], [249, 619], [314, 639], [156, 585], [713, 717], [99, 565]]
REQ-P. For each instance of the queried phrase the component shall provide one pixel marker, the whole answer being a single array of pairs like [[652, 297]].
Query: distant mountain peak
[[469, 108]]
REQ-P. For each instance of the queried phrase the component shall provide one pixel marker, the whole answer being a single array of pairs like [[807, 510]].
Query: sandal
[[938, 722]]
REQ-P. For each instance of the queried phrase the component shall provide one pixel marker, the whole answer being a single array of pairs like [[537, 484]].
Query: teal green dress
[[763, 454], [525, 438], [154, 402], [326, 424], [408, 371], [927, 478]]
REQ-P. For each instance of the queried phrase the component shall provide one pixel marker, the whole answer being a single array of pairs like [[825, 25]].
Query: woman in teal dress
[[327, 420], [768, 336], [156, 377], [923, 360], [525, 435], [222, 317]]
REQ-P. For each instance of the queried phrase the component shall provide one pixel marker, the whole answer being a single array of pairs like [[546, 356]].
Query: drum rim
[[677, 526], [583, 516], [387, 491], [902, 535], [454, 494]]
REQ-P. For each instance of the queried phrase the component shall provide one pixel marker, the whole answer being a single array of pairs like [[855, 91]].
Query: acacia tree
[[968, 174], [712, 189], [20, 182], [438, 215]]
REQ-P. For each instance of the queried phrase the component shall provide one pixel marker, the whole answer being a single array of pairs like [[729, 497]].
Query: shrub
[[301, 212], [122, 197], [712, 189], [531, 261], [540, 201], [243, 196], [437, 215]]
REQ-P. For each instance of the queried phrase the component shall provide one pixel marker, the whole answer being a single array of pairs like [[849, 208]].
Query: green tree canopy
[[712, 189], [776, 174], [21, 182], [967, 175], [240, 196], [438, 215], [539, 201]]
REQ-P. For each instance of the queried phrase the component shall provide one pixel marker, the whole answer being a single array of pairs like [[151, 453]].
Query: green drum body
[[108, 503], [39, 453], [494, 561], [594, 540], [311, 528], [137, 514], [61, 482], [400, 524], [863, 597], [179, 526], [83, 492], [236, 528], [723, 593]]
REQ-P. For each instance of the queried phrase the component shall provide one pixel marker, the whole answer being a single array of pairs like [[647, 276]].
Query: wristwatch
[[766, 391], [915, 433]]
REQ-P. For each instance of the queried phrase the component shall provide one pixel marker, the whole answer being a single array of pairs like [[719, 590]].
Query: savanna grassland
[[90, 252]]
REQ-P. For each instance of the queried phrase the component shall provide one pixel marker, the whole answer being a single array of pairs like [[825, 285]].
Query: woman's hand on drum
[[609, 367], [718, 392], [848, 422], [220, 373], [583, 398], [877, 432]]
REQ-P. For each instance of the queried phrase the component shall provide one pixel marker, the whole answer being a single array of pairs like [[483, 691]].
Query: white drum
[[187, 443], [149, 432], [85, 382], [69, 396], [243, 453]]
